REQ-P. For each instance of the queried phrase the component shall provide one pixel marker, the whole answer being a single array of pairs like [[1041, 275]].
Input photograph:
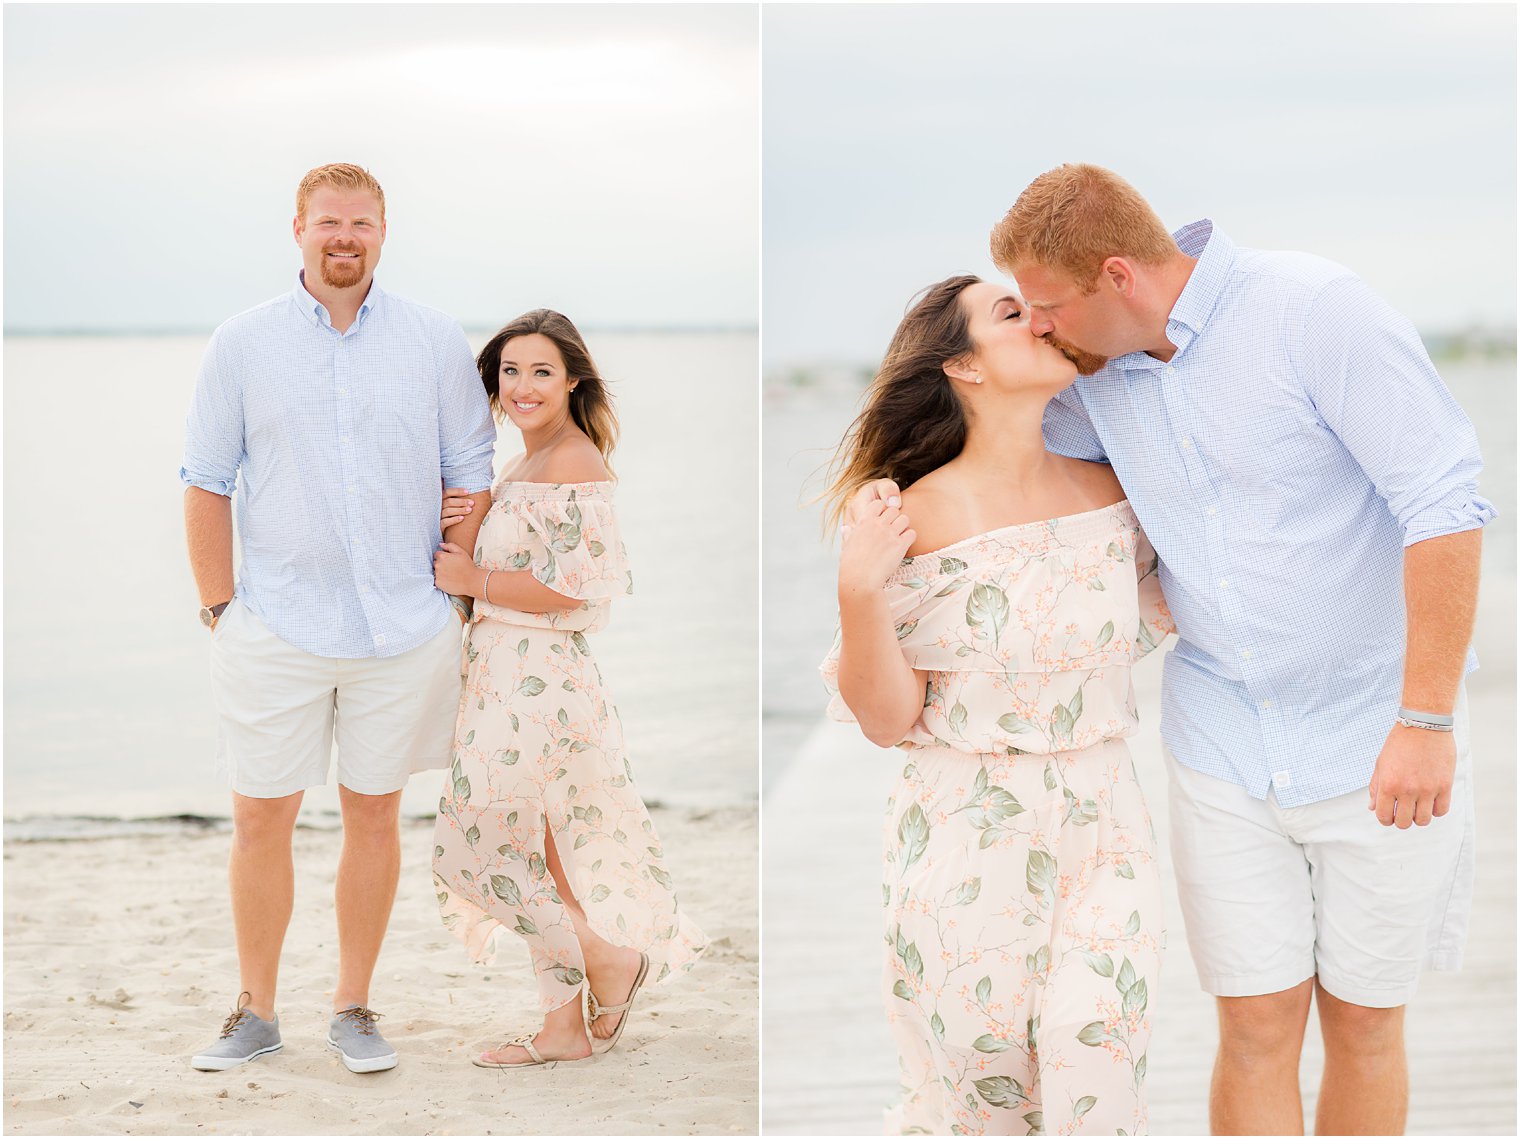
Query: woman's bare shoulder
[[574, 460], [932, 509]]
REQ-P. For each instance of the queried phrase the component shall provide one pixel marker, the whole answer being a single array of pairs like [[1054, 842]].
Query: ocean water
[[807, 409], [107, 701]]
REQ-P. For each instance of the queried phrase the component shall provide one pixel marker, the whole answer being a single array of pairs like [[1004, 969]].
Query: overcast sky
[[1380, 136], [603, 160]]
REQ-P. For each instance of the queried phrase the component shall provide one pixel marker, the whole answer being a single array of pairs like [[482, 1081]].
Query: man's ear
[[1119, 275]]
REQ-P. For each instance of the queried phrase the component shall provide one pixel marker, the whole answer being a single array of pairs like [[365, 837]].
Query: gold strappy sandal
[[595, 1008]]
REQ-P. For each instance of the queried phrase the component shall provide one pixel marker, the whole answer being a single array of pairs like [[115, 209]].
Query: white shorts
[[1272, 896], [277, 705]]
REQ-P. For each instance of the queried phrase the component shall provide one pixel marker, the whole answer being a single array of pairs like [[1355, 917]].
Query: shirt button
[[350, 490], [1245, 653], [342, 391], [1213, 510], [1266, 703], [1223, 584], [1187, 442], [1170, 369], [343, 439], [1282, 779], [380, 639]]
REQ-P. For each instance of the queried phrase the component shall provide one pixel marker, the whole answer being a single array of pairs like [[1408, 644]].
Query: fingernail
[[893, 500]]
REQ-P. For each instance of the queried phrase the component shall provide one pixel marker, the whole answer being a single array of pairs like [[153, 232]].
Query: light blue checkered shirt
[[1296, 442], [336, 444]]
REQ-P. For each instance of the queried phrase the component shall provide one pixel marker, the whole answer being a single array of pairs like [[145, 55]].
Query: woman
[[541, 830], [1022, 895]]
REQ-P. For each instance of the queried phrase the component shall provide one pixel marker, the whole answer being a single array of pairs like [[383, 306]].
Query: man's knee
[[1264, 1028], [1356, 1030], [371, 818], [258, 822]]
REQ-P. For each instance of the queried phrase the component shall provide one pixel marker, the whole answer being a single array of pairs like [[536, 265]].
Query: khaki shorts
[[280, 707], [1272, 896]]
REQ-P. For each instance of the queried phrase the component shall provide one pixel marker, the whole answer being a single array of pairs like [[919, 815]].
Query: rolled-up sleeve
[[214, 425], [1372, 382], [466, 432], [1069, 430]]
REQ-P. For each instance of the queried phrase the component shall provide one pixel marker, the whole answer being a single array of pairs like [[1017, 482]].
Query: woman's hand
[[457, 504], [873, 547], [454, 571]]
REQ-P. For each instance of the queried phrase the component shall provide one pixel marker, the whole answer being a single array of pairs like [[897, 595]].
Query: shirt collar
[[316, 312], [1215, 255]]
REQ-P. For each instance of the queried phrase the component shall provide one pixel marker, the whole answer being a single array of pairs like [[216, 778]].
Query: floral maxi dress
[[539, 749], [1022, 898]]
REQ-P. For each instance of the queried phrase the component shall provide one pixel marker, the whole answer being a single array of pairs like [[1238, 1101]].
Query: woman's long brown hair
[[912, 421], [590, 402]]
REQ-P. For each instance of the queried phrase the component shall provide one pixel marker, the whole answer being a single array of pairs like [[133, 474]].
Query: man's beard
[[343, 274], [1088, 363]]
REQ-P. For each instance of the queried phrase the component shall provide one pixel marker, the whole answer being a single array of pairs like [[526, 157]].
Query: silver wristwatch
[[210, 613]]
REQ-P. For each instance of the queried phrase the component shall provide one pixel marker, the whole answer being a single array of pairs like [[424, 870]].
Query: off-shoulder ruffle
[[575, 548]]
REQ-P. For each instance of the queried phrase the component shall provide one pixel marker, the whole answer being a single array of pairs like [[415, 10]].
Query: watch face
[[207, 617]]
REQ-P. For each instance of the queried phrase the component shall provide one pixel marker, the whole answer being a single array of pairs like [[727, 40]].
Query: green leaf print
[[564, 718], [1084, 1105], [1050, 778], [568, 685], [1126, 977], [935, 1023], [469, 739], [1132, 926], [1101, 964], [913, 962], [1040, 873], [967, 893], [951, 565], [1105, 635], [596, 548], [979, 784], [1094, 1034], [509, 756], [1001, 1091], [462, 789], [525, 926], [1014, 724], [522, 647], [1097, 586], [912, 836], [1135, 998], [1063, 722], [1124, 870], [900, 989], [987, 610], [580, 643], [1076, 706], [984, 991], [1036, 1121], [661, 877], [531, 686], [990, 1043], [506, 889], [521, 559], [905, 629], [472, 836], [958, 715], [1140, 1066], [600, 894], [581, 841], [437, 852], [536, 865]]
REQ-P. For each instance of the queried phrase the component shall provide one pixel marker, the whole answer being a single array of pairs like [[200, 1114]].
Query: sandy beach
[[119, 963]]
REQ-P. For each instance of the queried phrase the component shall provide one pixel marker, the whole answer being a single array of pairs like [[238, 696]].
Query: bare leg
[[367, 874], [261, 879], [610, 969], [1365, 1090], [1255, 1087]]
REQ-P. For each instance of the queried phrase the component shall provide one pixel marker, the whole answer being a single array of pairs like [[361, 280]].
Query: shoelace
[[236, 1016], [363, 1017]]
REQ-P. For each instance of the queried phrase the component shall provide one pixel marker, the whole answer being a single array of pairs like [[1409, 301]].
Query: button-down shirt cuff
[[1458, 511], [223, 487], [471, 479]]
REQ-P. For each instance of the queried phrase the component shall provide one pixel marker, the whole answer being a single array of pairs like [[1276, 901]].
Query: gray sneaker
[[244, 1037], [354, 1035]]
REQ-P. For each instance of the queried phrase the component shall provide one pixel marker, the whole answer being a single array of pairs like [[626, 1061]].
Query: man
[[343, 410], [1308, 482]]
